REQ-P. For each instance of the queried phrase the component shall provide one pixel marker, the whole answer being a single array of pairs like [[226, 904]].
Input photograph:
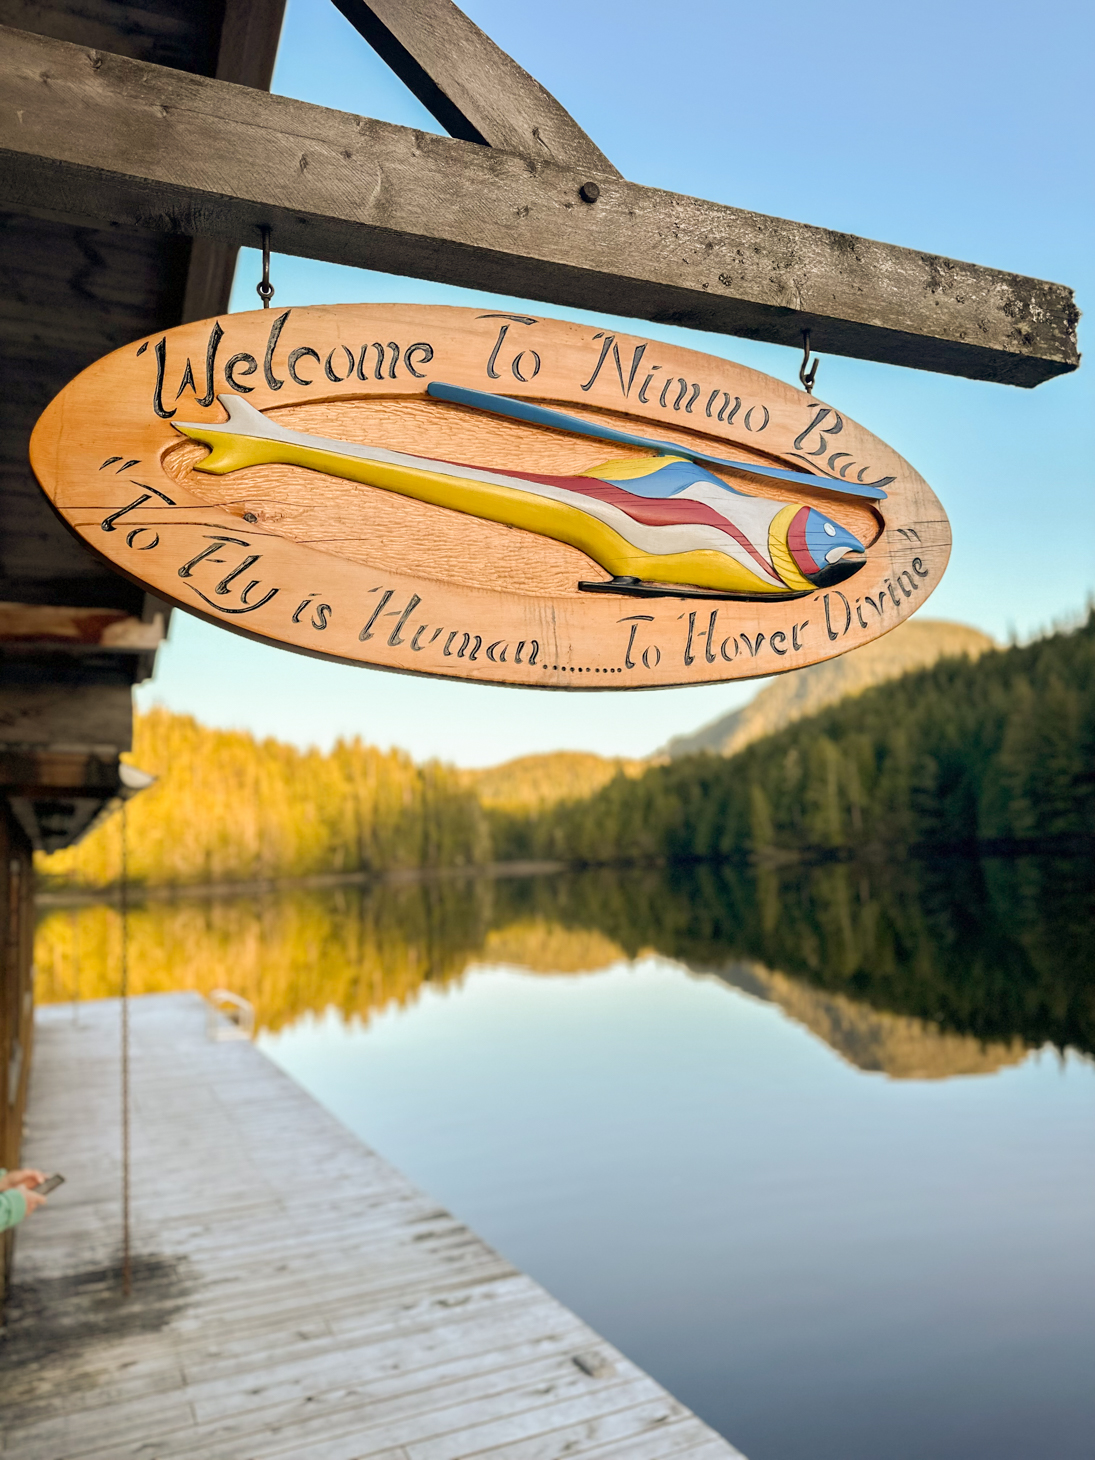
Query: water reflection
[[891, 1044], [918, 968], [821, 1262]]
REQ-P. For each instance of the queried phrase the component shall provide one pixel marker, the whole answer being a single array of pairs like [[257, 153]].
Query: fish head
[[824, 552]]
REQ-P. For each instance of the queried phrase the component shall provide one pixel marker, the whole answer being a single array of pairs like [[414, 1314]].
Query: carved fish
[[657, 524]]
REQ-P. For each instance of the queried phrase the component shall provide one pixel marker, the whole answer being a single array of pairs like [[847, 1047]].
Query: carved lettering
[[367, 631], [708, 634], [491, 372], [216, 334], [636, 356], [157, 393], [329, 364], [821, 413], [608, 339], [634, 620], [420, 348], [271, 345], [187, 569], [836, 633], [646, 385], [230, 372], [515, 367], [825, 433], [300, 353], [433, 637], [394, 640], [502, 333], [222, 588], [187, 380], [109, 522]]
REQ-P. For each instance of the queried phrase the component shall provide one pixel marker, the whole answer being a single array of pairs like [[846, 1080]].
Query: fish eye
[[830, 529]]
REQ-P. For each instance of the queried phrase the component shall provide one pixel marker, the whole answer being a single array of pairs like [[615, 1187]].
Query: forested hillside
[[229, 808], [1000, 748], [533, 782], [918, 643]]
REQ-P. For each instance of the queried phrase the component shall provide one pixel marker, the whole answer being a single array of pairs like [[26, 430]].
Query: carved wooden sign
[[489, 496]]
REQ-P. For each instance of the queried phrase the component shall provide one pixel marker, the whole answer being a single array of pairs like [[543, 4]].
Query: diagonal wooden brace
[[469, 84]]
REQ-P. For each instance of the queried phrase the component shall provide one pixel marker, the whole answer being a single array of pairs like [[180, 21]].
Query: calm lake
[[813, 1147]]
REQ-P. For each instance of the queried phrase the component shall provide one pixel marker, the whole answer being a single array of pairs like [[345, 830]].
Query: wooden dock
[[293, 1295]]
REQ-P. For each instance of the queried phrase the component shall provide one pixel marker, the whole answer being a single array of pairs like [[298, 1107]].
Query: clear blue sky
[[961, 129]]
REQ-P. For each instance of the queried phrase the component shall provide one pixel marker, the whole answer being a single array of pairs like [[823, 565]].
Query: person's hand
[[33, 1199], [26, 1177]]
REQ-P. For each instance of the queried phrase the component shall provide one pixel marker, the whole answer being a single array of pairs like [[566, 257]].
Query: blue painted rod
[[519, 410]]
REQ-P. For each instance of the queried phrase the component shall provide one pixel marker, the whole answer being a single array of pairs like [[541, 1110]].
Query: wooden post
[[16, 1000]]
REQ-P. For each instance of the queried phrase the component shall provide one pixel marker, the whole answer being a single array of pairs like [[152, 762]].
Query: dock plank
[[294, 1295]]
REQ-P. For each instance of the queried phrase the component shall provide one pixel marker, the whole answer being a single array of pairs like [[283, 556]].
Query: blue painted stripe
[[671, 477], [519, 410]]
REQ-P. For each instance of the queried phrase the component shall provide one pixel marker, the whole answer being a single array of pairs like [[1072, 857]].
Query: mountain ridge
[[916, 644]]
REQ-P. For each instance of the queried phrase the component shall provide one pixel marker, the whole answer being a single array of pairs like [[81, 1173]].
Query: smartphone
[[51, 1183]]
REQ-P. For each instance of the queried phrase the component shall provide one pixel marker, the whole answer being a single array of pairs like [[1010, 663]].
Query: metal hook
[[264, 289], [807, 375]]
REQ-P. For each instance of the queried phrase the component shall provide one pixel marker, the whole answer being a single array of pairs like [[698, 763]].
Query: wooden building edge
[[75, 637]]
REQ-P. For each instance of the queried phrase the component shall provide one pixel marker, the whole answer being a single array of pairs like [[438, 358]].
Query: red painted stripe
[[650, 511], [796, 541]]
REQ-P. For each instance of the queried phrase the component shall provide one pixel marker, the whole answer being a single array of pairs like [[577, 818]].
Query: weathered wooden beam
[[29, 627], [54, 714], [141, 146], [34, 773], [248, 49], [475, 90]]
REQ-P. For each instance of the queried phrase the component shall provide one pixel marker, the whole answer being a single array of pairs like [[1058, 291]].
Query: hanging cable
[[74, 927], [264, 289], [127, 1283]]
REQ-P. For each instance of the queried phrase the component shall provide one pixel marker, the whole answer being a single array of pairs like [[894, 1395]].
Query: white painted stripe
[[684, 537]]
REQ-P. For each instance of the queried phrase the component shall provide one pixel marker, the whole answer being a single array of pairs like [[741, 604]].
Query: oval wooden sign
[[489, 496]]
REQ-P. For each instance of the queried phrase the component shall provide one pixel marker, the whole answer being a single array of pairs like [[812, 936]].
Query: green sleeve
[[13, 1208]]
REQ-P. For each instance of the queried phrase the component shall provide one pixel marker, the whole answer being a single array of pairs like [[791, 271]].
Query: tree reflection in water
[[916, 967]]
